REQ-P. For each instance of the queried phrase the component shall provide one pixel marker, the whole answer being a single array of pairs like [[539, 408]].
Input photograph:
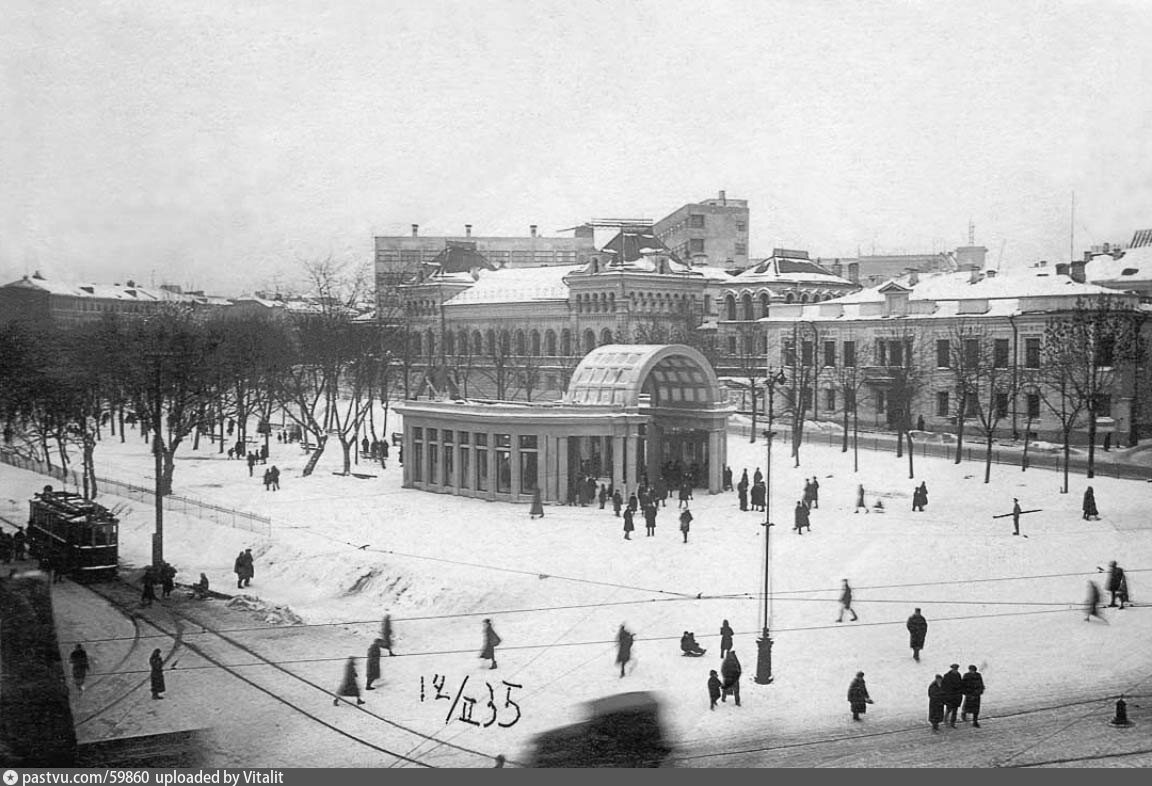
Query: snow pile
[[268, 612]]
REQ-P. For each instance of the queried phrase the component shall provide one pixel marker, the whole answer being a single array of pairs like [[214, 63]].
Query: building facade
[[713, 232], [922, 351]]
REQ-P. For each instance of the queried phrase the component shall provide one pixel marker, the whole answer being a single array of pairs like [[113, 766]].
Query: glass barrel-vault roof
[[666, 375]]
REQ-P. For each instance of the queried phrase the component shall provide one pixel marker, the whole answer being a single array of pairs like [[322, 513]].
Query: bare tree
[[990, 384]]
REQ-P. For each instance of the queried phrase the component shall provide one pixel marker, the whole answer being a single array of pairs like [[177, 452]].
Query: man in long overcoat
[[348, 686], [628, 525], [973, 688], [373, 664], [953, 687], [802, 518], [491, 642], [917, 632], [156, 664], [1117, 584], [858, 698], [730, 670], [624, 639], [650, 519], [936, 702]]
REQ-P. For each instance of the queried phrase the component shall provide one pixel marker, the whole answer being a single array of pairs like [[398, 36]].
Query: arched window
[[550, 342], [505, 342], [477, 343], [764, 300], [490, 342], [589, 340], [606, 337], [462, 342], [612, 301], [790, 298], [730, 308], [521, 343], [416, 344], [430, 340], [747, 303], [535, 342], [804, 298], [565, 342], [449, 343]]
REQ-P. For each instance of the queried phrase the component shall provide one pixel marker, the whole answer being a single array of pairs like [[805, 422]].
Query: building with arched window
[[631, 413]]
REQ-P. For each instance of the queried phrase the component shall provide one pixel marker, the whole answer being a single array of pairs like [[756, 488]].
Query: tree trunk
[[960, 429], [855, 439], [121, 424], [911, 453], [753, 388], [1092, 441], [169, 457], [844, 445], [346, 447], [988, 458], [1067, 452], [314, 458], [1027, 439]]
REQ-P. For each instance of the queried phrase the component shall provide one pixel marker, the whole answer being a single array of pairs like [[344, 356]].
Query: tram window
[[84, 535], [101, 534]]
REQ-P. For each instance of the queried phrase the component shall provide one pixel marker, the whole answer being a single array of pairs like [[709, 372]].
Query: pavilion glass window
[[449, 451], [481, 443], [433, 455], [417, 454], [528, 463], [503, 463], [462, 439]]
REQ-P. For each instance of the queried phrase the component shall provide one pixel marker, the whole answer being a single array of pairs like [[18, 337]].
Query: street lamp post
[[157, 450], [764, 643]]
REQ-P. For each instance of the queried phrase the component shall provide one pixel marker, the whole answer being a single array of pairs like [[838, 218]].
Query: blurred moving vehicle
[[623, 730]]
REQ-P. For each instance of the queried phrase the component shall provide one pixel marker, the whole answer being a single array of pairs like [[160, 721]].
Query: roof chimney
[[990, 274], [532, 229], [913, 278], [975, 275], [1061, 268], [723, 197], [1076, 271], [415, 230], [467, 230]]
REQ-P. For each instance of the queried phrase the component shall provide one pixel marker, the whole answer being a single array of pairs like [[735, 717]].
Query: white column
[[618, 479], [562, 470], [630, 477], [715, 465]]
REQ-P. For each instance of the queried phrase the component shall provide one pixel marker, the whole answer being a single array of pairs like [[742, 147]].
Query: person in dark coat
[[148, 591], [953, 693], [6, 548], [267, 479], [727, 486], [758, 493], [167, 580], [858, 698], [628, 525], [936, 702], [624, 639], [713, 689], [348, 686], [386, 634], [373, 664], [742, 495], [79, 660], [757, 476], [689, 647], [650, 519], [685, 495], [860, 499], [603, 495], [633, 503], [249, 567], [661, 491], [1016, 516], [491, 642], [923, 495], [1117, 584], [200, 588], [617, 502], [815, 486], [730, 670], [846, 601], [19, 544], [725, 638], [274, 475], [239, 569], [973, 688], [537, 509], [1092, 604], [685, 523], [802, 519], [917, 632], [1090, 511], [156, 664], [916, 506], [251, 464]]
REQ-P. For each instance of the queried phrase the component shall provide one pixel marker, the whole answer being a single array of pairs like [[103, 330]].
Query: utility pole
[[764, 643], [158, 451]]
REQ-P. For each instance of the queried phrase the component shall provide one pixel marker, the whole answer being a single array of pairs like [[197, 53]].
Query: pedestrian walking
[[624, 639], [1092, 604], [1015, 516], [802, 518], [713, 689], [384, 455], [628, 525], [167, 580], [730, 670], [662, 491], [858, 698], [79, 661], [386, 634], [267, 479], [249, 566], [815, 492], [617, 502], [757, 476], [936, 702], [148, 591], [348, 685], [923, 495], [917, 632], [491, 642], [727, 485], [239, 568], [373, 669], [251, 464], [973, 689], [156, 664], [603, 495], [725, 638], [742, 495], [650, 519], [952, 685], [860, 499], [1089, 507], [274, 474], [19, 544], [759, 495], [1117, 584], [685, 495], [846, 601], [263, 454], [685, 523], [917, 504], [537, 510]]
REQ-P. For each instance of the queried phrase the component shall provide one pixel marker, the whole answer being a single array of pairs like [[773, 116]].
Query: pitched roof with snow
[[1134, 266], [460, 259], [519, 285], [790, 270]]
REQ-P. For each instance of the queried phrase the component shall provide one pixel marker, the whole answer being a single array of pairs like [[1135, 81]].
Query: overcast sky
[[217, 144]]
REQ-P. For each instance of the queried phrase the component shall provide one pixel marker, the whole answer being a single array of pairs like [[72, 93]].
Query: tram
[[79, 537]]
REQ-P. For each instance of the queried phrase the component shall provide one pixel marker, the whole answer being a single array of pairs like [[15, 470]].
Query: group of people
[[1117, 586], [272, 478], [647, 501], [164, 575], [13, 546], [349, 684], [375, 449], [920, 497], [758, 491], [244, 568], [952, 692]]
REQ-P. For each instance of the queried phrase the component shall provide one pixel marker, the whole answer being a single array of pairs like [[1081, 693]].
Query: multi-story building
[[922, 349], [713, 232], [37, 299], [868, 270]]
